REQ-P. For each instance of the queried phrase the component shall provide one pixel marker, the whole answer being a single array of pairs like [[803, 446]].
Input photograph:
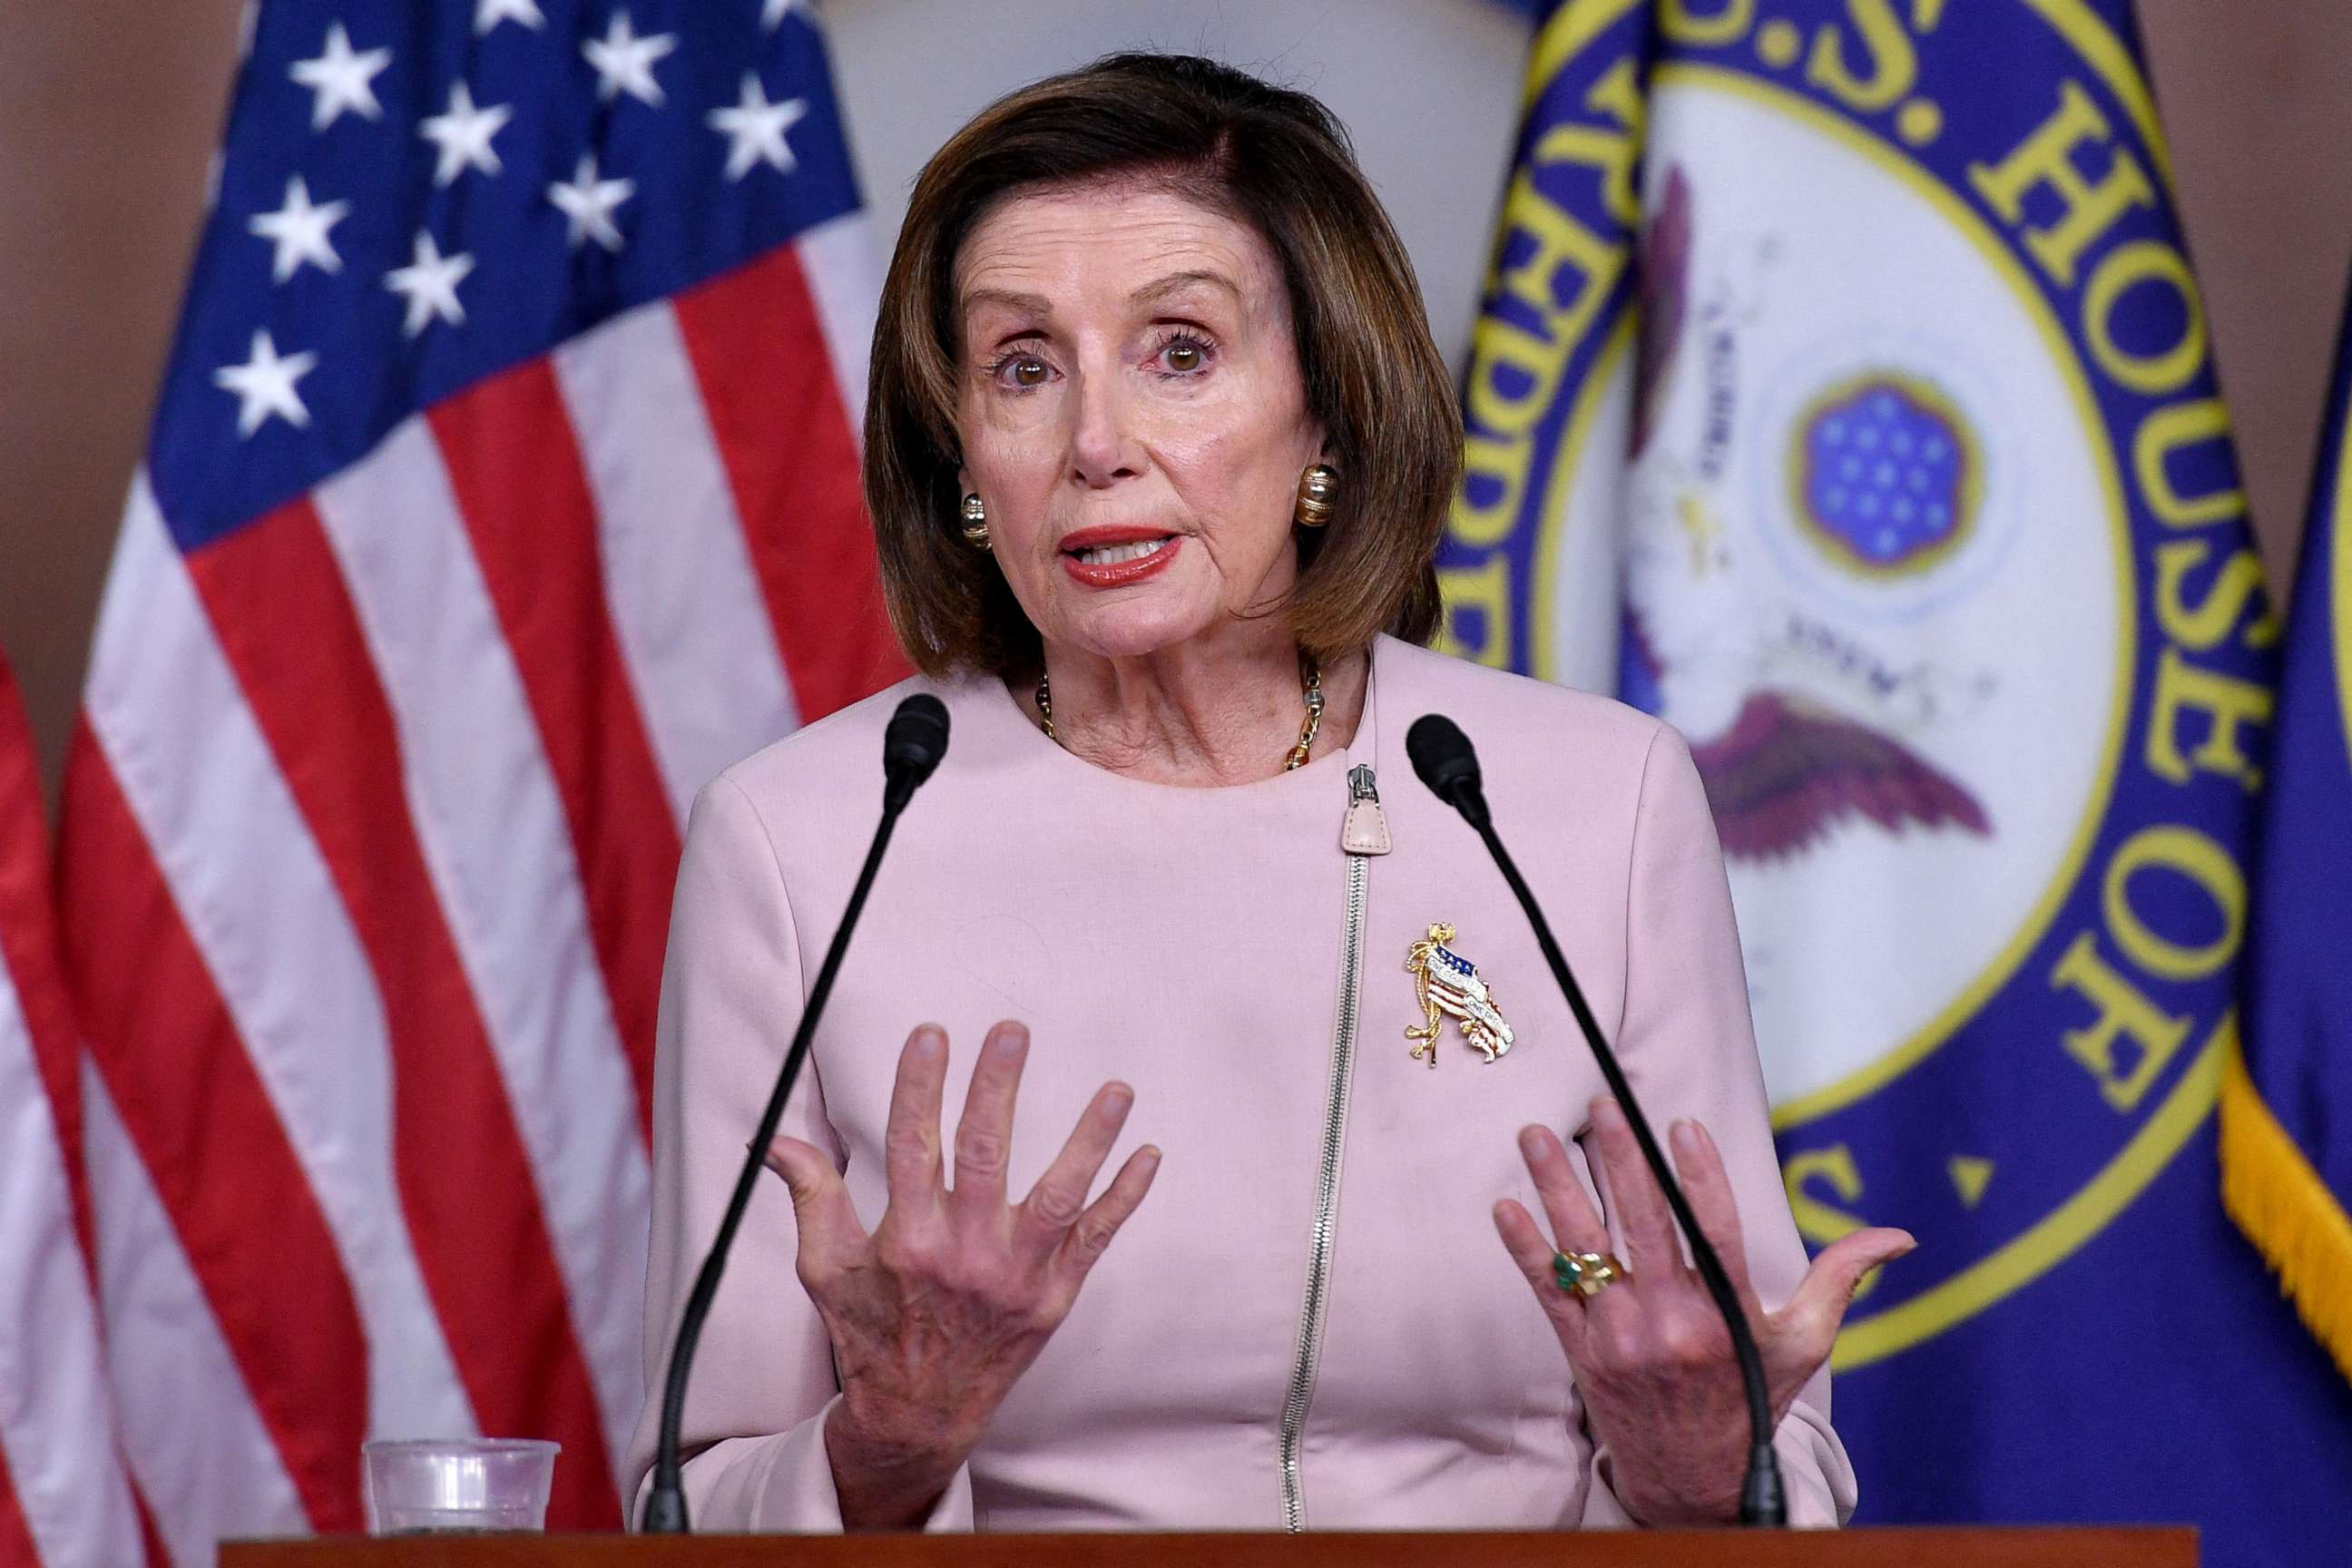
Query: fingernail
[[1684, 1135], [929, 1041], [1880, 1266], [1118, 1098], [1150, 1153], [1532, 1142], [1010, 1040]]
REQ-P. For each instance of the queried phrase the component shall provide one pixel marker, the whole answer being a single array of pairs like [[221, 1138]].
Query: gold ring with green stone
[[1586, 1274]]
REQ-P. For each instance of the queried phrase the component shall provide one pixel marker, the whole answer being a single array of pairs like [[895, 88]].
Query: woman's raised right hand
[[936, 1312]]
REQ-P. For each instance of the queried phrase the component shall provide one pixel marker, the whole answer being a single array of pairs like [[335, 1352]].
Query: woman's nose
[[1103, 445]]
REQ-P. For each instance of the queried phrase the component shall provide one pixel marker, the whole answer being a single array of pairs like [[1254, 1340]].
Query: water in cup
[[462, 1485]]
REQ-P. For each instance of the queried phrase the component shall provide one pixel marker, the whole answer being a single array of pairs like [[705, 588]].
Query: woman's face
[[1131, 412]]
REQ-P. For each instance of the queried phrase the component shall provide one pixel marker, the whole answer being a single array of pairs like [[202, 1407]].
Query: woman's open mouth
[[1114, 557]]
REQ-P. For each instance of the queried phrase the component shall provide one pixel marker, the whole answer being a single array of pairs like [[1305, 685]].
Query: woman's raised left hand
[[1651, 1358]]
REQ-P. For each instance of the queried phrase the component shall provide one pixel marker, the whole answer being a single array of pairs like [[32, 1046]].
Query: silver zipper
[[1301, 1393]]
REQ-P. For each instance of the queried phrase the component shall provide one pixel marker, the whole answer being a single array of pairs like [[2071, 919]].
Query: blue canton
[[412, 196]]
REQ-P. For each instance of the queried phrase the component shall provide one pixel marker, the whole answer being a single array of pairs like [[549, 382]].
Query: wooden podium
[[2122, 1548]]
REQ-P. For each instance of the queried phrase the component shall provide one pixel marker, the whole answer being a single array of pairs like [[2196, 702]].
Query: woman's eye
[[1184, 356], [1025, 371]]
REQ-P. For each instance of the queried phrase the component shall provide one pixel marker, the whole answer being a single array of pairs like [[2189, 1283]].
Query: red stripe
[[212, 1143], [28, 950], [17, 1547], [291, 633], [150, 1539], [514, 463], [758, 353]]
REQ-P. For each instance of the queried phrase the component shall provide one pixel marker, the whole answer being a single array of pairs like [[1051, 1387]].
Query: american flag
[[63, 1495], [502, 489]]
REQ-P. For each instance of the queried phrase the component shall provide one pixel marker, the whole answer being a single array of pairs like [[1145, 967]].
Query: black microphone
[[912, 745], [1442, 756]]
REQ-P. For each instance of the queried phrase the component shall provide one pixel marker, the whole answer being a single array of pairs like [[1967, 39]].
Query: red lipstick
[[1116, 574]]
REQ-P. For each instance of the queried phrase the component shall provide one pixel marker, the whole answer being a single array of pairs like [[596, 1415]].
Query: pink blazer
[[1192, 941]]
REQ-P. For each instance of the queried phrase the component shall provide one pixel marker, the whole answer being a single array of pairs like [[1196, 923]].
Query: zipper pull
[[1366, 830]]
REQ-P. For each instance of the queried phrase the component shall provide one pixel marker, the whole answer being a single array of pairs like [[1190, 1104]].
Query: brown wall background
[[109, 110]]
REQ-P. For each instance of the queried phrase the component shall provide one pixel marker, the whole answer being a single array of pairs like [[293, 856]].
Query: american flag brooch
[[1445, 983]]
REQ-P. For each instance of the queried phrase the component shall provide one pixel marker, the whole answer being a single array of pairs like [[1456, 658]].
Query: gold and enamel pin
[[1444, 981]]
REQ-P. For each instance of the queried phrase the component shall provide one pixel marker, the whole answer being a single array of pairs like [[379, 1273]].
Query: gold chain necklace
[[1310, 686]]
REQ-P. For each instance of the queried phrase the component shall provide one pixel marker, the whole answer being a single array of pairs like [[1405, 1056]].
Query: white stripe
[[195, 1442], [499, 849], [685, 602], [56, 1425], [845, 276], [254, 893]]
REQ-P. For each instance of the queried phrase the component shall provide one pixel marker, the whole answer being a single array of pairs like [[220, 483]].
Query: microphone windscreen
[[916, 739], [1442, 755]]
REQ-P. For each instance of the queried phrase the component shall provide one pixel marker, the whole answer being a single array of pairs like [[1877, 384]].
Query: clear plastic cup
[[460, 1485]]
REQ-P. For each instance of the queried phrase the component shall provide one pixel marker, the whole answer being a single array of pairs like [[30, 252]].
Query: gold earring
[[1317, 488], [975, 522]]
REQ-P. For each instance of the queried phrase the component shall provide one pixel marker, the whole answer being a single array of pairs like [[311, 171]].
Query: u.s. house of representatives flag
[[1932, 545], [502, 489]]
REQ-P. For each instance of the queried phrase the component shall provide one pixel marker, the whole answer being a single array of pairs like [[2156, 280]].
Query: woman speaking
[[1158, 451]]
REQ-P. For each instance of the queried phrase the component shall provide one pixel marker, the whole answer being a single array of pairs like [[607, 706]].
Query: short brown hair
[[1264, 155]]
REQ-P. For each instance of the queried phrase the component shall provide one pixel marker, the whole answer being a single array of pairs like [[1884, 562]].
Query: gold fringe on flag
[[2279, 1201]]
